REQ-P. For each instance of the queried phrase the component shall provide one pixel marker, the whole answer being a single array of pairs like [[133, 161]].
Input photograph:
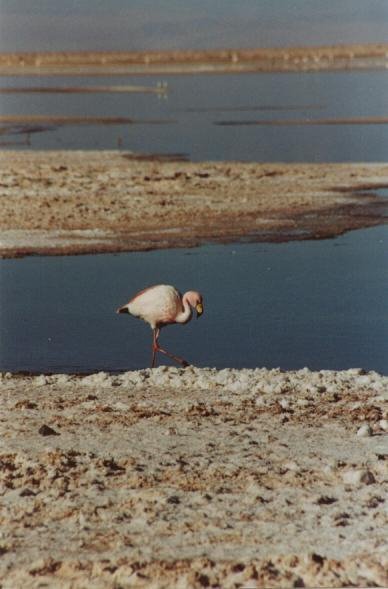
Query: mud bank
[[194, 478], [83, 202]]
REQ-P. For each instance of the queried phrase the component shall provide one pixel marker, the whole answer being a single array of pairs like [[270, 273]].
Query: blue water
[[321, 304], [196, 104]]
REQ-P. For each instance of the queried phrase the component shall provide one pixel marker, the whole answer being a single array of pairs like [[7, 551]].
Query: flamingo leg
[[155, 335], [156, 348], [178, 359]]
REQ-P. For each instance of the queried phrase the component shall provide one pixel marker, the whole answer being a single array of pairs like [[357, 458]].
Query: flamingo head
[[195, 301]]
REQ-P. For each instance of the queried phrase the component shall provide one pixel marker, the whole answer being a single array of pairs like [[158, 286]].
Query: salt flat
[[66, 202], [194, 478]]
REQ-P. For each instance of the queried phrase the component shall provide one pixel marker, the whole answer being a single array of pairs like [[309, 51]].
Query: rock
[[40, 380], [46, 430], [174, 499], [27, 493], [358, 477], [326, 500], [364, 431], [383, 423]]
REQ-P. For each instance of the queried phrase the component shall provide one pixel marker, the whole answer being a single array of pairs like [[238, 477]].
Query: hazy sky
[[33, 25]]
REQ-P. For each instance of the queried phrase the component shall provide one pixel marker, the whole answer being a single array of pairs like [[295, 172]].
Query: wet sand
[[194, 478], [130, 89], [54, 120], [87, 120], [298, 122], [70, 202]]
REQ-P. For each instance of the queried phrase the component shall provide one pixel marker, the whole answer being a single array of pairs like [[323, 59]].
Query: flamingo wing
[[157, 305]]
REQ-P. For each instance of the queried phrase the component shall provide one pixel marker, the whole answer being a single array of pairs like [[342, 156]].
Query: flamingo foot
[[156, 348], [177, 359]]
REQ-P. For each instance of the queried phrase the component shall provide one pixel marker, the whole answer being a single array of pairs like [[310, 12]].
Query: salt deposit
[[194, 477], [66, 213], [364, 431]]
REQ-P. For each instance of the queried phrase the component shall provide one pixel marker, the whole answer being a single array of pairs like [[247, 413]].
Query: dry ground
[[194, 478], [77, 202]]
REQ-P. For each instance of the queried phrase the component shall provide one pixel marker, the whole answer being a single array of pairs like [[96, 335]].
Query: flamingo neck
[[185, 315]]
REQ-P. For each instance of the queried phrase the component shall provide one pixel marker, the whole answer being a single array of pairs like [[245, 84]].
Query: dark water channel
[[321, 304], [210, 117]]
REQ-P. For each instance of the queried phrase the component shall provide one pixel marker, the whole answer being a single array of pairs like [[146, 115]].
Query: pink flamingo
[[161, 305]]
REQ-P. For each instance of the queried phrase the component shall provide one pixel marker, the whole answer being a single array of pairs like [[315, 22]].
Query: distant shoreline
[[288, 59]]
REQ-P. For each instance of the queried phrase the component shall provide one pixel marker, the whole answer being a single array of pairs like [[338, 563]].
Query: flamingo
[[161, 305]]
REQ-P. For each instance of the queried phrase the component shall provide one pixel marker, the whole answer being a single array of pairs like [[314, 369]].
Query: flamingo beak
[[199, 309], [122, 310]]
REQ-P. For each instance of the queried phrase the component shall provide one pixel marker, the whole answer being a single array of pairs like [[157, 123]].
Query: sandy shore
[[82, 202], [194, 478], [228, 60]]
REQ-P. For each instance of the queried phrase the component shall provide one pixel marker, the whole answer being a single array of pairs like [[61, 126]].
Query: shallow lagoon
[[320, 304], [190, 114]]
